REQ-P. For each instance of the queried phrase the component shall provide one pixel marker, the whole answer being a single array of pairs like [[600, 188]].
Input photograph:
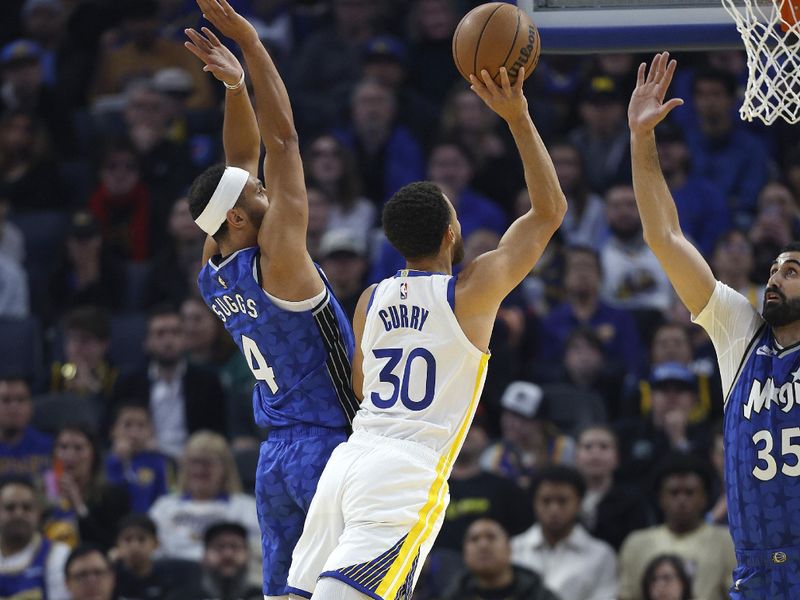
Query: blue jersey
[[300, 358], [761, 423], [146, 476], [29, 582]]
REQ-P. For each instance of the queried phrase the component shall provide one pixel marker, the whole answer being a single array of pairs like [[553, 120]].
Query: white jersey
[[422, 376]]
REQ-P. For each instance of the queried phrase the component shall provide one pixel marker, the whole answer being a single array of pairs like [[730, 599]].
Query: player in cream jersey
[[422, 341], [411, 329]]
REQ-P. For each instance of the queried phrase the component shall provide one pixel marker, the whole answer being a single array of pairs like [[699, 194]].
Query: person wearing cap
[[529, 441], [343, 255], [260, 280], [666, 428], [704, 222], [602, 137], [224, 575], [683, 487], [85, 273]]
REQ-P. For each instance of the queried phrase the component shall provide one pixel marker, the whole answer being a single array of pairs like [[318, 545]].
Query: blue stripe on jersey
[[301, 359], [451, 293], [762, 447], [414, 273]]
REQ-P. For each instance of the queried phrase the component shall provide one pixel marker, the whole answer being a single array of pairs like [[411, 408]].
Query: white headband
[[222, 200]]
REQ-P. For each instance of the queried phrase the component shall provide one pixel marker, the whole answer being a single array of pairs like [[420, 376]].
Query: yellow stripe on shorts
[[433, 507]]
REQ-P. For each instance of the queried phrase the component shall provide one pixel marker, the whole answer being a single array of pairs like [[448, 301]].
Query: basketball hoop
[[770, 30]]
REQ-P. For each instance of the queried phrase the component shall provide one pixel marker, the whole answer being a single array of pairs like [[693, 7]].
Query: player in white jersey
[[421, 353]]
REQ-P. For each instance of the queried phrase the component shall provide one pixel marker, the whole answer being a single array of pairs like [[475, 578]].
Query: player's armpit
[[359, 320]]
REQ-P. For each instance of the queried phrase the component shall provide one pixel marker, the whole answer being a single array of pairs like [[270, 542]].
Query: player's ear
[[236, 217]]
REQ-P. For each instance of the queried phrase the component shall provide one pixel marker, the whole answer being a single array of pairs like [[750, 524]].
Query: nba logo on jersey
[[221, 281], [404, 290]]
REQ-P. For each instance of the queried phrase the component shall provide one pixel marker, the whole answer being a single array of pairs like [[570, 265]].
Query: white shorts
[[378, 508]]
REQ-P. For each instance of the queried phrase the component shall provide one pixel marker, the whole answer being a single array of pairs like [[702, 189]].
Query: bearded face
[[778, 309]]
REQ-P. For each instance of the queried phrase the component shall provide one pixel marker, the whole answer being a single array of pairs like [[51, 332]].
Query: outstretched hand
[[506, 100], [647, 107], [220, 61], [228, 21]]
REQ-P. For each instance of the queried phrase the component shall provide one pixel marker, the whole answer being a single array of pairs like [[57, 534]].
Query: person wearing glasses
[[89, 575]]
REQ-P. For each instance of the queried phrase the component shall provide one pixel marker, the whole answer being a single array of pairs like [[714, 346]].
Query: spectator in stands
[[208, 345], [44, 22], [602, 138], [703, 222], [431, 24], [477, 494], [89, 574], [27, 172], [572, 563], [585, 222], [23, 449], [490, 574], [665, 578], [529, 441], [779, 197], [343, 255], [667, 428], [609, 511], [139, 575], [30, 565], [733, 261], [23, 67], [683, 485], [721, 148], [145, 52], [133, 461], [174, 269], [121, 204], [225, 559], [321, 87], [387, 154], [12, 240], [209, 491], [496, 170], [86, 272], [85, 370], [14, 295], [83, 506], [319, 215], [718, 514], [331, 168], [632, 276], [615, 328], [182, 397]]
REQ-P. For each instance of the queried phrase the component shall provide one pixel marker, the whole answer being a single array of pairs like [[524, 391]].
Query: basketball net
[[771, 34]]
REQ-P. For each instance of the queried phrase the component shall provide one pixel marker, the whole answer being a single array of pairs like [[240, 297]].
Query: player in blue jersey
[[759, 360], [260, 281]]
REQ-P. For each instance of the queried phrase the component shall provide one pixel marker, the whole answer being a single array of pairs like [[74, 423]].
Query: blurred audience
[[24, 450], [89, 574], [343, 257], [665, 578]]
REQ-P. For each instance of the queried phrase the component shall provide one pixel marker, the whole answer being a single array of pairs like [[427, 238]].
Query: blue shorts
[[767, 574], [289, 465]]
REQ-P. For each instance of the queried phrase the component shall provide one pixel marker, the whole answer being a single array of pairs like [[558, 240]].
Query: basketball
[[496, 35]]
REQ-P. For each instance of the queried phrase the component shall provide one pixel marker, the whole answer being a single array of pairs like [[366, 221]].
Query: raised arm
[[685, 266], [240, 138], [282, 236], [491, 276]]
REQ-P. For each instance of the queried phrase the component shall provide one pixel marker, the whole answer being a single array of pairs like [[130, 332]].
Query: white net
[[771, 35]]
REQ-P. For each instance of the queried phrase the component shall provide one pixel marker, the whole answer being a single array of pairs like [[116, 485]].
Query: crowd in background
[[595, 462]]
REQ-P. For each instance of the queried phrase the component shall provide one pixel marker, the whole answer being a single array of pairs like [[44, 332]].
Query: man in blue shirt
[[23, 449]]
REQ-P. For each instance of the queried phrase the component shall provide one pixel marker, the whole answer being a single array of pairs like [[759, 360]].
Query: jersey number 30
[[400, 383], [258, 364], [769, 468]]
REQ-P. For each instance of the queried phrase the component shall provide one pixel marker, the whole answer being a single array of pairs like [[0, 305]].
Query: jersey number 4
[[769, 468], [400, 383], [258, 364]]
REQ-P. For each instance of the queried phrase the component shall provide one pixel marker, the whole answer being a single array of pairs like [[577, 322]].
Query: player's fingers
[[520, 79], [198, 40], [196, 51], [227, 8], [670, 73], [487, 80], [651, 73], [504, 81], [667, 107], [211, 37], [640, 74]]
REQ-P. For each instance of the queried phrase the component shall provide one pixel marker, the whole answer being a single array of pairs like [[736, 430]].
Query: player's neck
[[788, 335], [436, 264]]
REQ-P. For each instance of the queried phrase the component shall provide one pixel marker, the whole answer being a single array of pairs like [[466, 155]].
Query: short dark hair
[[138, 521], [89, 319], [677, 564], [585, 249], [201, 191], [85, 550], [21, 480], [131, 404], [727, 80], [415, 219], [589, 335], [682, 464], [162, 309], [221, 527], [462, 148], [605, 427], [9, 374], [559, 474], [791, 247]]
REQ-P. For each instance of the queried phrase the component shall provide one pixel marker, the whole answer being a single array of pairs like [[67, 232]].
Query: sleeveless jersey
[[422, 376], [761, 423], [28, 583], [300, 359]]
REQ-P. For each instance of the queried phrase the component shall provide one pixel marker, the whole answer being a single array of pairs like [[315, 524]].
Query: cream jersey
[[422, 376]]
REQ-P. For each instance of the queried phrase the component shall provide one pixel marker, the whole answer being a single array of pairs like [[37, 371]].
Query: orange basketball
[[495, 35]]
